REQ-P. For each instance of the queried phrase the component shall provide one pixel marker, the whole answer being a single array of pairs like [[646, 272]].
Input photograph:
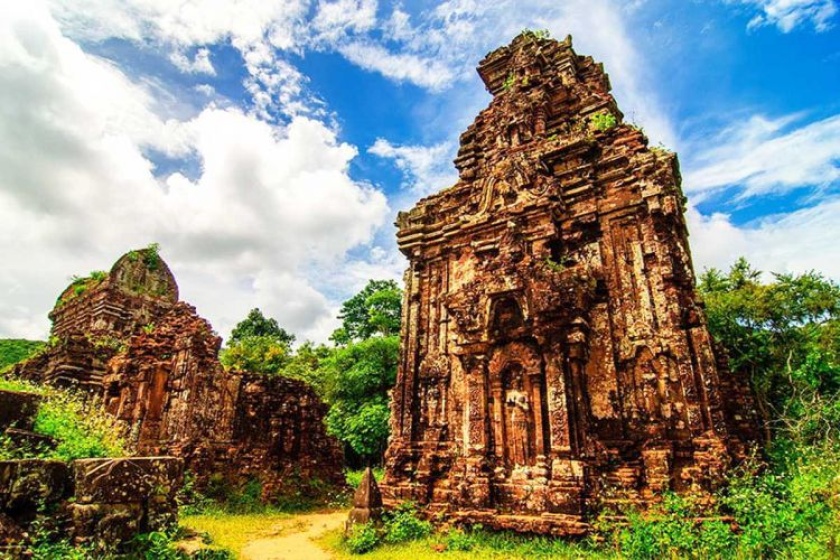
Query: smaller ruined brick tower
[[555, 357], [153, 362]]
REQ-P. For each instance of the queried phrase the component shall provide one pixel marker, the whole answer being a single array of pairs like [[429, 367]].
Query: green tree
[[783, 334], [257, 324], [374, 311], [356, 381], [256, 354], [305, 364], [258, 344]]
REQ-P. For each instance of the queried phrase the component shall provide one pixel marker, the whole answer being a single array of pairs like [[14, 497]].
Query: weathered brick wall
[[555, 355], [137, 290], [279, 437], [171, 388]]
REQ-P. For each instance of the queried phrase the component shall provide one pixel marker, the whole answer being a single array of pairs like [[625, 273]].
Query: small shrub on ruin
[[509, 81], [537, 33], [76, 421], [603, 121], [81, 427]]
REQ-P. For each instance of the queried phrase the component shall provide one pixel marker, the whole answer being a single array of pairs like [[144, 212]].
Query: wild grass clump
[[469, 543], [45, 544], [362, 538], [403, 524]]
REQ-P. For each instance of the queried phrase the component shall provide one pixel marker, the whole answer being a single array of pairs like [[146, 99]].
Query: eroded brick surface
[[555, 356]]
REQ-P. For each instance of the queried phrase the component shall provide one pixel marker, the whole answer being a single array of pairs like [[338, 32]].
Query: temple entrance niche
[[519, 412]]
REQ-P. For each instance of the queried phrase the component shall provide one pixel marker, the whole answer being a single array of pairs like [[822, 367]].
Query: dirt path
[[295, 541]]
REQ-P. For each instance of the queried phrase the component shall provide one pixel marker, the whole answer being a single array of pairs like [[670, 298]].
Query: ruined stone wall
[[279, 432], [101, 501], [93, 319], [170, 387], [555, 355], [138, 289], [106, 501]]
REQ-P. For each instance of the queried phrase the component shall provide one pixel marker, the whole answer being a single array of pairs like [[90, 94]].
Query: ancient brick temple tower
[[555, 356]]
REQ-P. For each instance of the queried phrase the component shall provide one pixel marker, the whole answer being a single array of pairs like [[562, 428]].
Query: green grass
[[477, 545], [233, 532], [14, 350]]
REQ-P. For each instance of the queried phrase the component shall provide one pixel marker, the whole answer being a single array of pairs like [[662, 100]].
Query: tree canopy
[[783, 334], [258, 344], [374, 311], [14, 350], [257, 324], [357, 378]]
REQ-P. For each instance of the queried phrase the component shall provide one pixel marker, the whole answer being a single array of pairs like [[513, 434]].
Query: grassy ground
[[479, 546], [233, 532]]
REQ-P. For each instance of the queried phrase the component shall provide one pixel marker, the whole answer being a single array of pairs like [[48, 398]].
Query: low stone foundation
[[106, 501]]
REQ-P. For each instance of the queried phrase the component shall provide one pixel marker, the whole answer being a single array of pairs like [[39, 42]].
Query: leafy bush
[[672, 530], [460, 540], [402, 524], [82, 429], [792, 510], [363, 538]]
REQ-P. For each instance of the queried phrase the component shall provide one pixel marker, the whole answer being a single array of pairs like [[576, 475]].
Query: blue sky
[[268, 144]]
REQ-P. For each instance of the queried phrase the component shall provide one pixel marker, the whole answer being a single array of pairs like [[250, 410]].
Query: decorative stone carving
[[554, 281], [101, 501]]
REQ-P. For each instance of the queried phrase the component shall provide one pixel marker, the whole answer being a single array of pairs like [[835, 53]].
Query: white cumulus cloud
[[427, 169], [790, 14], [266, 206], [794, 242], [199, 64], [763, 155]]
